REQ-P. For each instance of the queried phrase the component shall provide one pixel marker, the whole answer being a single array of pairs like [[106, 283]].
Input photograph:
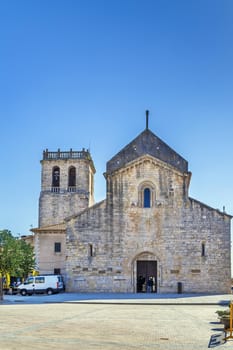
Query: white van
[[42, 284]]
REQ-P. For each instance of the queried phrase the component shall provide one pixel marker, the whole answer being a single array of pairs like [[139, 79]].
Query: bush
[[223, 313]]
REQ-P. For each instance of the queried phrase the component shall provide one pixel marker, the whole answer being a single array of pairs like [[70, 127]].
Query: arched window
[[146, 198], [203, 249], [90, 250], [72, 177], [146, 195], [56, 177]]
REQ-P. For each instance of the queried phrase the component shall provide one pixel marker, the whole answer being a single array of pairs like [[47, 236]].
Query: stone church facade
[[147, 227]]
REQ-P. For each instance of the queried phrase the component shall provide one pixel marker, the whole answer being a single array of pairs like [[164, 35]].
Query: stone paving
[[109, 322]]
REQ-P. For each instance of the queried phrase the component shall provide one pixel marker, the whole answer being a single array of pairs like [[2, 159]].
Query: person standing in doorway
[[150, 285]]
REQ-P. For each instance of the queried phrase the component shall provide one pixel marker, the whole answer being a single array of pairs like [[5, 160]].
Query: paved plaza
[[109, 322]]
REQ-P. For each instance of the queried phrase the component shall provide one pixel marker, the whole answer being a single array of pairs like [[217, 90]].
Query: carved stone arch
[[146, 254], [146, 194]]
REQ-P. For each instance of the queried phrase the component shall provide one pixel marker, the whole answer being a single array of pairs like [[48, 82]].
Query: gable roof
[[147, 143], [50, 228]]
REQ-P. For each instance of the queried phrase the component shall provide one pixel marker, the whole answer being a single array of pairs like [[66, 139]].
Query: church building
[[147, 235]]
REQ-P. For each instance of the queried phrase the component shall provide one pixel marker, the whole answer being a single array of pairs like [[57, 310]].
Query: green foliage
[[26, 259], [16, 256], [222, 313]]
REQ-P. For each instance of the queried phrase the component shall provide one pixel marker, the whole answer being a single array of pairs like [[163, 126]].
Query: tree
[[26, 259], [7, 252], [16, 256]]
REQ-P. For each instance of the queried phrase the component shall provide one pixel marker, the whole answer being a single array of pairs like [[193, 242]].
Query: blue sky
[[77, 74]]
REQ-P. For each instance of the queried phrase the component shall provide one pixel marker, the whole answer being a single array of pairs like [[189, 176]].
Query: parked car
[[49, 284]]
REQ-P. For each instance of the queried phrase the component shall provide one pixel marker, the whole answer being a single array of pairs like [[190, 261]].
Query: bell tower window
[[56, 177], [72, 177]]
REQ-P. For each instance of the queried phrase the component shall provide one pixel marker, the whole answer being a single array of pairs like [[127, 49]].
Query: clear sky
[[81, 73]]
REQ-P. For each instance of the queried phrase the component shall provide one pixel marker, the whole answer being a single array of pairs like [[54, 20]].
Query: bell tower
[[67, 185]]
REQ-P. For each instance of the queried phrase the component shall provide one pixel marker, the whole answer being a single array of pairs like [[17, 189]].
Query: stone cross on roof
[[147, 119]]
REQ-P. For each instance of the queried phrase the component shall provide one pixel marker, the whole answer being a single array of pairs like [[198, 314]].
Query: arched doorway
[[146, 276]]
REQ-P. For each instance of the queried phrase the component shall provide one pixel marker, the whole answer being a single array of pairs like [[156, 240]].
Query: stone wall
[[189, 241], [47, 258]]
